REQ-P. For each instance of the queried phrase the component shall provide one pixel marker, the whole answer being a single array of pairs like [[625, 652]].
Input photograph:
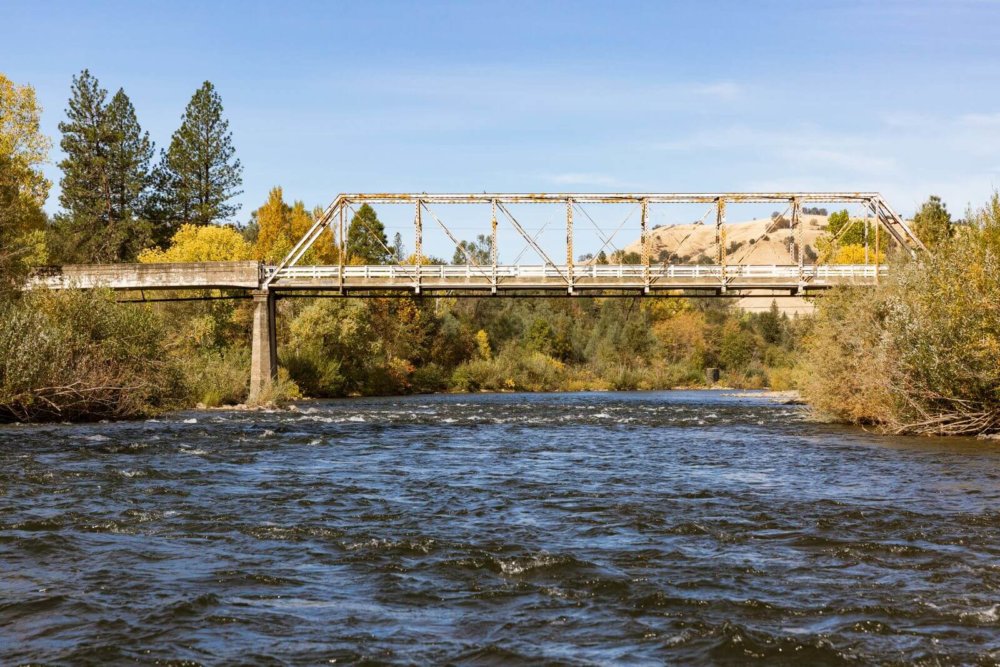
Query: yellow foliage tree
[[852, 253], [23, 187], [483, 345], [280, 226], [273, 231], [202, 243]]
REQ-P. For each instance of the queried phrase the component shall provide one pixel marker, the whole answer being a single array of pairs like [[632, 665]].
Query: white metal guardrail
[[595, 271]]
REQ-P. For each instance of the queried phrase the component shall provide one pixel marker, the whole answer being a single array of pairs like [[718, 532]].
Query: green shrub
[[428, 379], [216, 377], [76, 355], [317, 374], [920, 353]]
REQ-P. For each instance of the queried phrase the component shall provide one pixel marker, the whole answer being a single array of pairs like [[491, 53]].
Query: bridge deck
[[193, 275], [558, 278], [460, 278]]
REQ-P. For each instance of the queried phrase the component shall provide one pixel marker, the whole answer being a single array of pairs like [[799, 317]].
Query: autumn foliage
[[920, 353]]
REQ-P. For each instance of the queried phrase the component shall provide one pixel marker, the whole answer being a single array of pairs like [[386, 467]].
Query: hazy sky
[[324, 97]]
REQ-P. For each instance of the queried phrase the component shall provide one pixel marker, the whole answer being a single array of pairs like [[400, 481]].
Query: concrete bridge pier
[[264, 346]]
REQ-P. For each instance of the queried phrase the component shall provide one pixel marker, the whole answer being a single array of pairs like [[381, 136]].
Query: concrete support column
[[264, 346]]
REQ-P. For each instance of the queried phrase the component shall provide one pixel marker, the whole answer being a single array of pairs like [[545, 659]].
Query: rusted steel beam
[[569, 243], [877, 228], [493, 245], [342, 255], [306, 242], [534, 244], [418, 241], [720, 236], [797, 236], [644, 243], [609, 197], [461, 248]]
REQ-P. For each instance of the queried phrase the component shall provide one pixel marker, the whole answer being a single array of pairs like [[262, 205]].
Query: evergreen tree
[[129, 156], [932, 223], [366, 240], [105, 180], [398, 249], [85, 187], [199, 175], [480, 250]]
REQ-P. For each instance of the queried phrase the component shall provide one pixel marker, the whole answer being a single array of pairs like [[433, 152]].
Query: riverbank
[[83, 356], [791, 397], [920, 352]]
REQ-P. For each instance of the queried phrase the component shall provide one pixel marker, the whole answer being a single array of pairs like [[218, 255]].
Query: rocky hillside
[[760, 241]]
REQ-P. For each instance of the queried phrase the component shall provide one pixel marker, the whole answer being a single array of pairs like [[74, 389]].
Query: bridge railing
[[404, 272]]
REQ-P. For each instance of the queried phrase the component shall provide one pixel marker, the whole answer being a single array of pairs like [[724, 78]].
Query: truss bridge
[[551, 269]]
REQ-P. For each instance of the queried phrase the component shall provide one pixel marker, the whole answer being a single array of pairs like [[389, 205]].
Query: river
[[680, 527]]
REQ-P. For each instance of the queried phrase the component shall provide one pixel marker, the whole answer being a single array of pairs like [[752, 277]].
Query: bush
[[281, 390], [920, 353], [317, 374], [77, 355], [429, 379], [216, 377]]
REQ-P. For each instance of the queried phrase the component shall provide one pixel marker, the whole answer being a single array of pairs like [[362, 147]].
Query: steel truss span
[[647, 277]]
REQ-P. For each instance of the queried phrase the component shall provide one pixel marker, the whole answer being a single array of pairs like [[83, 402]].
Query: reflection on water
[[679, 527]]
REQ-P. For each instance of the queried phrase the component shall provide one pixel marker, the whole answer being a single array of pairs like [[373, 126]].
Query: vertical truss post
[[493, 245], [877, 239], [720, 219], [797, 235], [569, 243], [644, 241], [418, 244], [343, 246], [864, 233]]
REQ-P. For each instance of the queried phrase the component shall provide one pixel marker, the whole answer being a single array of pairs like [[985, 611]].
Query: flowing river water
[[678, 527]]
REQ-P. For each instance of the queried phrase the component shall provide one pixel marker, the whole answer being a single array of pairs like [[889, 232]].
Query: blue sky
[[324, 97]]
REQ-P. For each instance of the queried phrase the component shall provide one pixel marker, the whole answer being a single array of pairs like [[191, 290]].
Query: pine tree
[[398, 249], [932, 223], [199, 174], [106, 179], [366, 240], [85, 186], [129, 156]]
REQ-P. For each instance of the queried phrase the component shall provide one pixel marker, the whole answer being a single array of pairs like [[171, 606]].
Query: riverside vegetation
[[919, 353]]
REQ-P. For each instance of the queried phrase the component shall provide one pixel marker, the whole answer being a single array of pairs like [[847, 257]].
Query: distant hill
[[687, 243]]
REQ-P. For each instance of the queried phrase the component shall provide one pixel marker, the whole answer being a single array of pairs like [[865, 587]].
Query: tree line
[[116, 199], [117, 196]]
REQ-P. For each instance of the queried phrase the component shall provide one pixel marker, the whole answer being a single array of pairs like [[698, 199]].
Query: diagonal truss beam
[[306, 242], [608, 240], [371, 231], [465, 251], [534, 245]]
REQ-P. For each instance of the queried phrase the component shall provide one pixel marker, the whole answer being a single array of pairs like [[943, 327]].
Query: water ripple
[[495, 529]]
